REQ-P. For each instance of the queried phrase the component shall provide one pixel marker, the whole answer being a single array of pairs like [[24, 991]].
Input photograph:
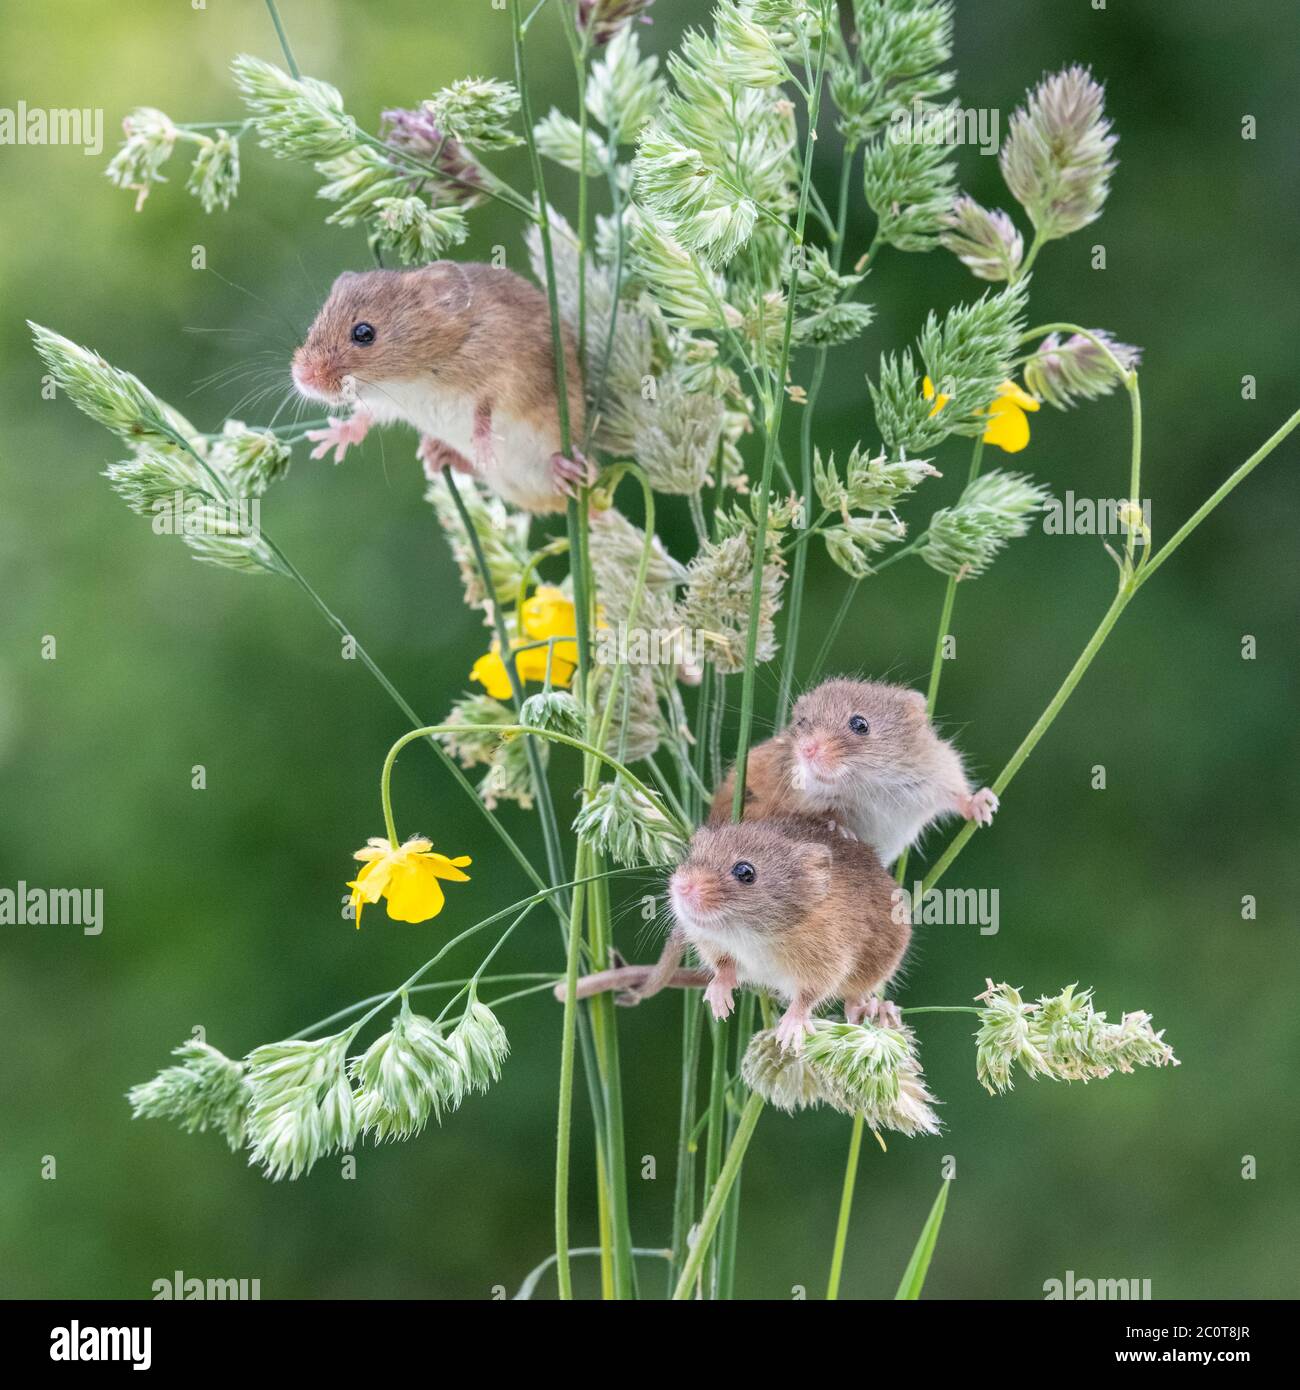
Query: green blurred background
[[222, 906]]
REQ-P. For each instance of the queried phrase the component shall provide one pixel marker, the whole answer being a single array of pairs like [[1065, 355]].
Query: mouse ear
[[917, 701], [815, 859], [449, 281]]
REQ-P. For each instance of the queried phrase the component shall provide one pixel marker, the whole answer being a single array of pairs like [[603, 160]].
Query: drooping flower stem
[[1129, 377], [448, 762], [772, 430], [1130, 582], [291, 571], [708, 1226], [552, 736]]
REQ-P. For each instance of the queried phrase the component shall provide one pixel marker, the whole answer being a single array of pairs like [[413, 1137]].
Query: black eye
[[363, 333], [859, 725], [743, 872]]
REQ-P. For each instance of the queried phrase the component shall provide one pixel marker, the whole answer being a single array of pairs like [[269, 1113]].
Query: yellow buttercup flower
[[406, 876], [938, 397], [1008, 425], [490, 671], [548, 614]]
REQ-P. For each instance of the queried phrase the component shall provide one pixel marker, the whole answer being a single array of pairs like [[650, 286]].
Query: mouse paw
[[791, 1028], [572, 473], [436, 455], [718, 995], [339, 435], [882, 1012], [981, 806]]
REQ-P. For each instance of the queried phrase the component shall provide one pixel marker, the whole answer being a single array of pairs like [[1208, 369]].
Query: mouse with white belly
[[464, 354], [791, 907], [864, 755]]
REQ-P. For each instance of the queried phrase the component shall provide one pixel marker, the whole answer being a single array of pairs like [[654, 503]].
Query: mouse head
[[382, 327], [757, 876], [846, 730]]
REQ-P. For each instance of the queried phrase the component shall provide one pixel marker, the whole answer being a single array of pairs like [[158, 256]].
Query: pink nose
[[686, 891], [810, 749], [303, 376]]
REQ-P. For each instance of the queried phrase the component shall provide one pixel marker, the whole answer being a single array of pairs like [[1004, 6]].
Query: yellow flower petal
[[940, 400], [1008, 426], [1011, 391], [414, 893], [531, 664], [549, 614], [449, 869], [407, 877], [490, 672]]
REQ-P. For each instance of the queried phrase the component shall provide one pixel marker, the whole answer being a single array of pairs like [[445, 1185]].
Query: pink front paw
[[718, 996], [339, 435], [572, 473], [981, 806]]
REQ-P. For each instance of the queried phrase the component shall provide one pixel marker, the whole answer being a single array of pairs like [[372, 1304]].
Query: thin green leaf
[[919, 1264]]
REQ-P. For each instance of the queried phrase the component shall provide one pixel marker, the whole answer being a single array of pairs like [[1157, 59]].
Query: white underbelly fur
[[520, 469], [755, 964]]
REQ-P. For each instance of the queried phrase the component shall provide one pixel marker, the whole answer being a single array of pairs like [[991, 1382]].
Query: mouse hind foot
[[572, 472], [436, 454], [979, 806], [873, 1009], [793, 1025]]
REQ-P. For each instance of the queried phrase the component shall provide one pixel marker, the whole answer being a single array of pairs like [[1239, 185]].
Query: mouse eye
[[743, 872], [858, 724], [363, 333]]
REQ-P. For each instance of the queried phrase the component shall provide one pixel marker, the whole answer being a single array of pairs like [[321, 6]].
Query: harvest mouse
[[464, 354], [787, 905], [864, 755]]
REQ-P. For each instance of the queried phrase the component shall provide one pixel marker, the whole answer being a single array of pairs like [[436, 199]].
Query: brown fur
[[471, 327], [821, 903], [768, 792], [884, 784]]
